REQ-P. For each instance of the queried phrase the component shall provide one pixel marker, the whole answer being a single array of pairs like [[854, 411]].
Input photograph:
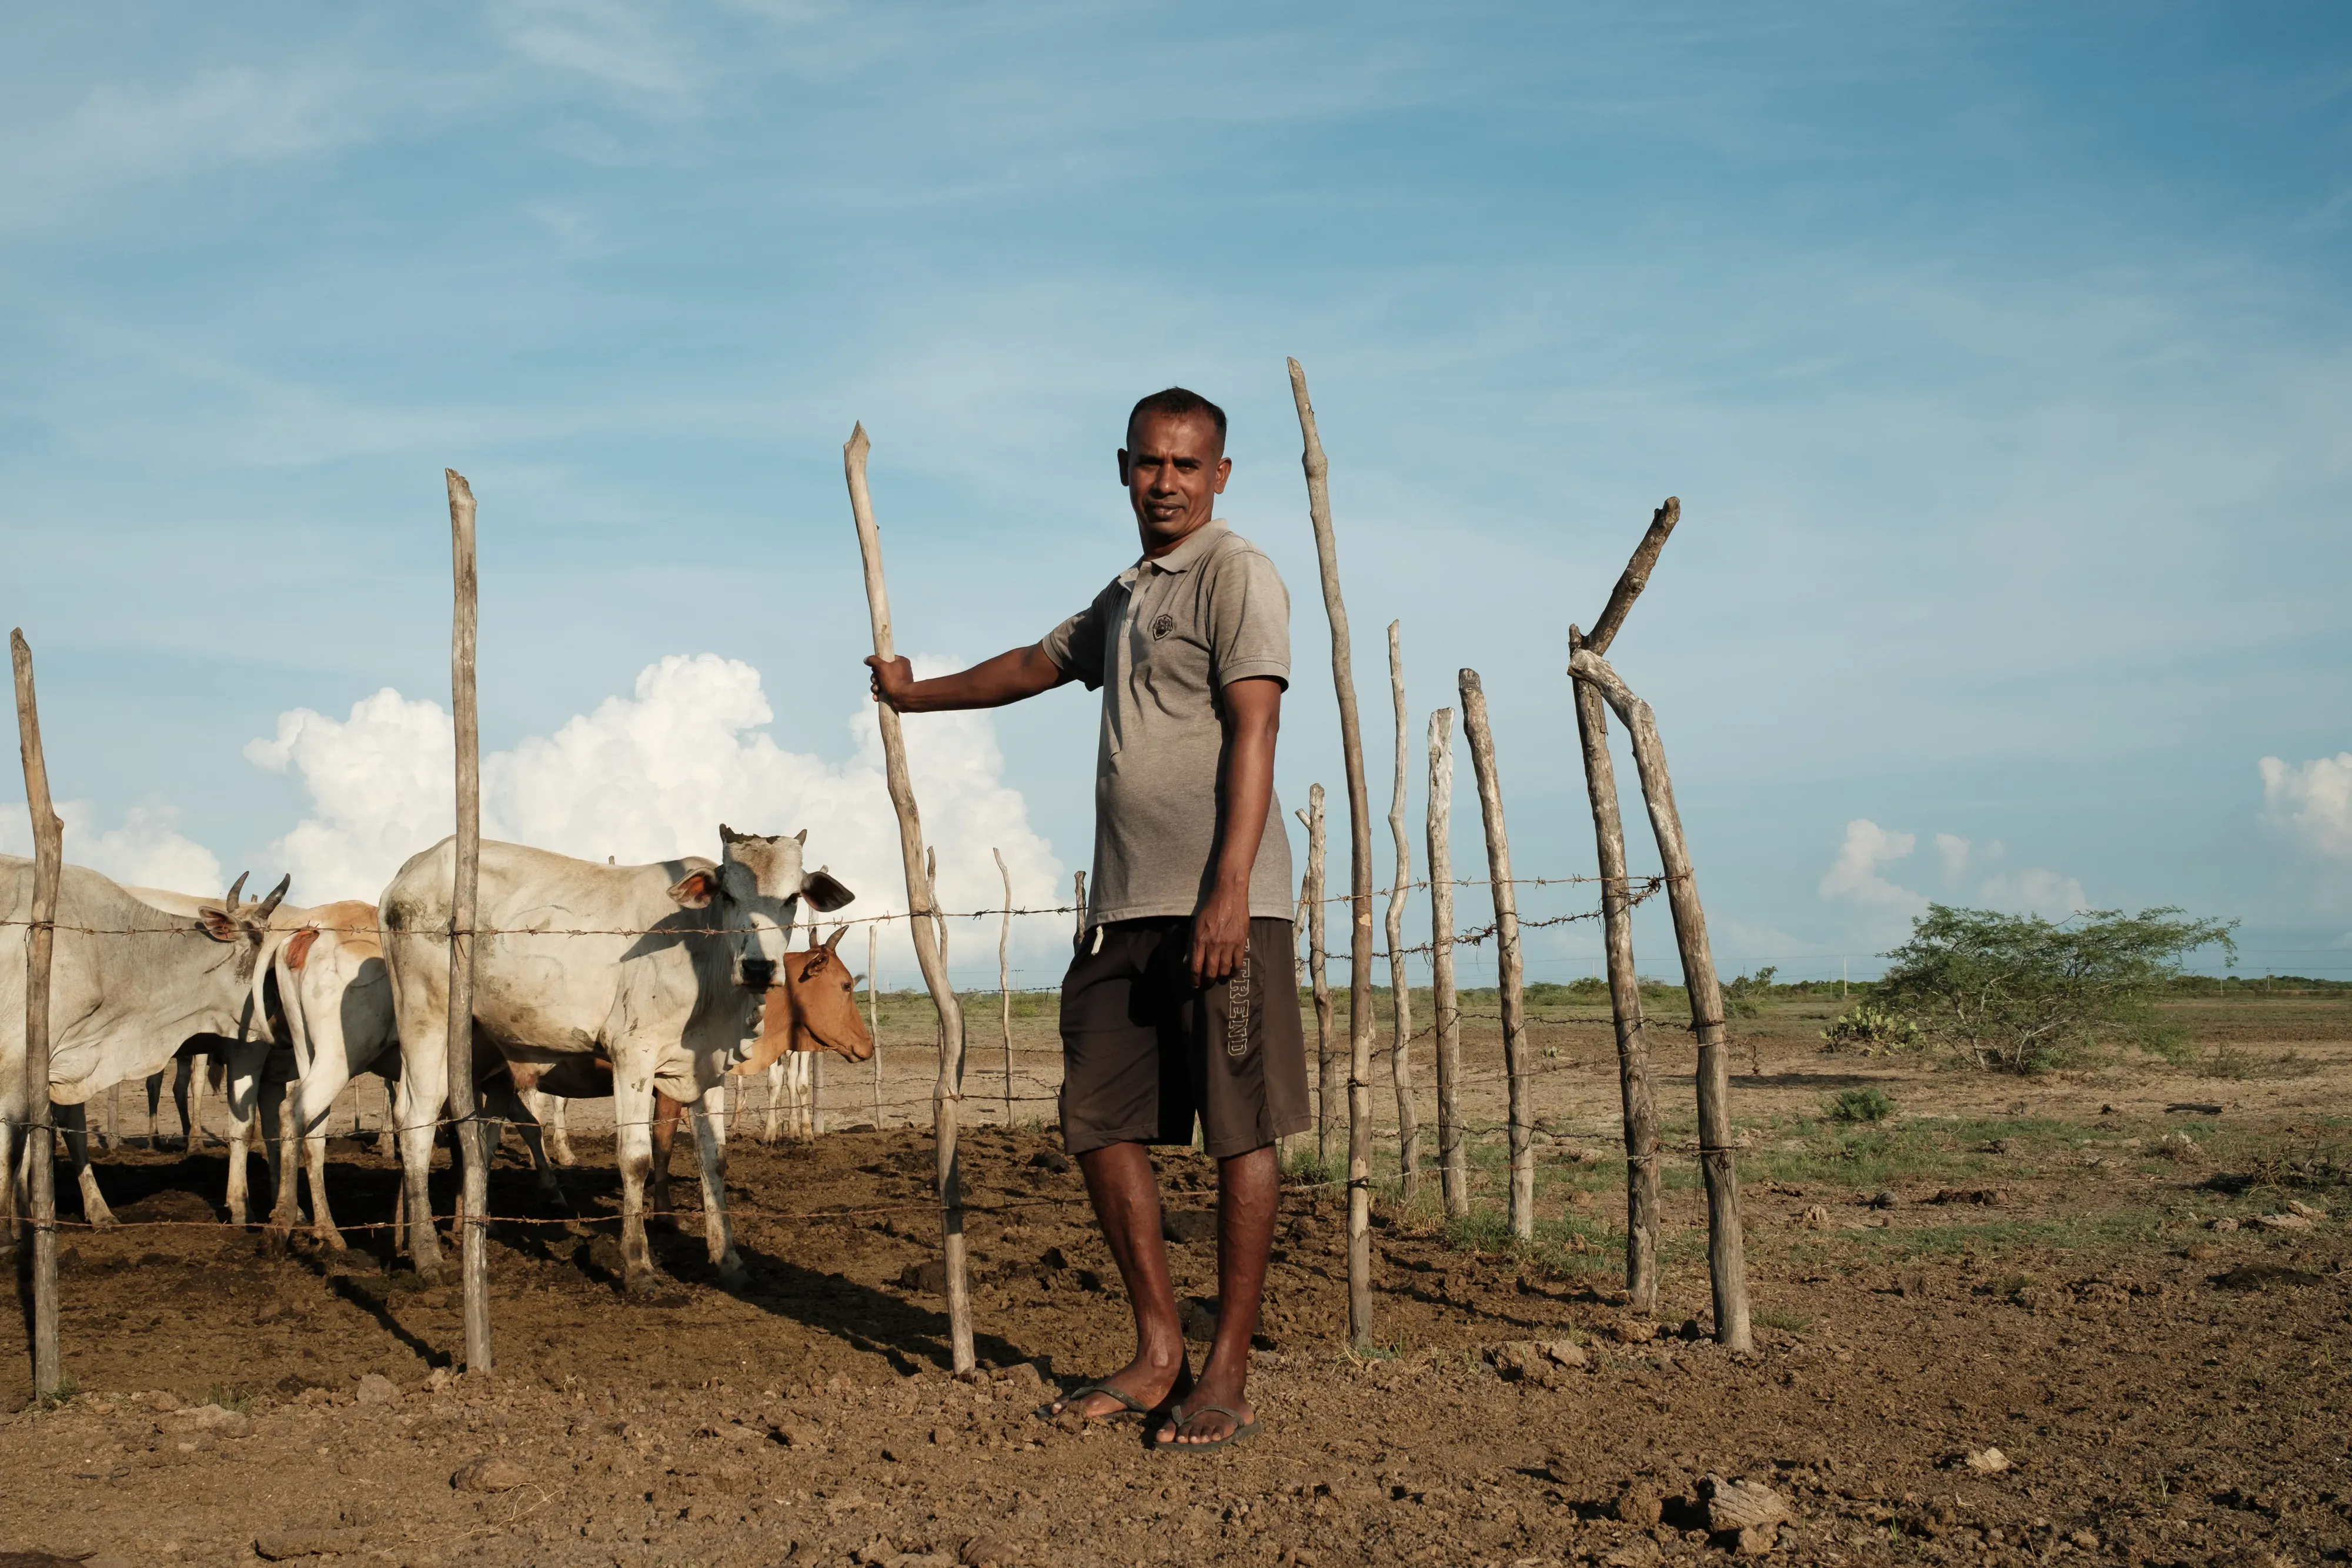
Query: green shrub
[[1866, 1104], [1872, 1031]]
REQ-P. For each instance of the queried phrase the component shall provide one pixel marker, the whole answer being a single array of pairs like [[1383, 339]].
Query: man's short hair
[[1178, 402]]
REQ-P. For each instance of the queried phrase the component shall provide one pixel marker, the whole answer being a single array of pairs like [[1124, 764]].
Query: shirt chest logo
[[1163, 624]]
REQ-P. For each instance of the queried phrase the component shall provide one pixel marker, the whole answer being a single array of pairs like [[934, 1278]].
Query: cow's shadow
[[911, 1337]]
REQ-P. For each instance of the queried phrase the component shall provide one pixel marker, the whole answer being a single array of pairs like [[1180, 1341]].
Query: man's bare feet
[[1149, 1384]]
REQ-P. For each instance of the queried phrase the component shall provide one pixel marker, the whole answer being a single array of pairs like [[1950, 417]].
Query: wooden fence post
[[921, 911], [1361, 1021], [1079, 899], [1453, 1160], [1510, 981], [1004, 982], [474, 1258], [1400, 990], [1327, 1062], [1634, 1089], [1725, 1245], [1624, 1002], [873, 1014], [40, 947]]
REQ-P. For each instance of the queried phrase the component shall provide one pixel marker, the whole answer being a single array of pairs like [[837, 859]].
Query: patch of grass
[[1303, 1166], [68, 1388], [1868, 1103], [237, 1399], [1786, 1321]]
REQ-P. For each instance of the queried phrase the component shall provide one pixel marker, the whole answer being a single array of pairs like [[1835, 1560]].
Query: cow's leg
[[775, 1128], [238, 1101], [633, 1116], [710, 1151], [185, 1075], [665, 1133], [154, 1104], [558, 1120], [417, 1108], [803, 1094], [270, 1099], [72, 1123], [387, 1144], [308, 1111], [201, 1078], [11, 1118], [509, 1106]]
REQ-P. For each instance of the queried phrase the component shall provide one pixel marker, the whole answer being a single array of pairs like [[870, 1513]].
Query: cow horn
[[234, 889], [832, 941], [276, 893]]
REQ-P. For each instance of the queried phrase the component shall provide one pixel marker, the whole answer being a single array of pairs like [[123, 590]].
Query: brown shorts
[[1145, 1051]]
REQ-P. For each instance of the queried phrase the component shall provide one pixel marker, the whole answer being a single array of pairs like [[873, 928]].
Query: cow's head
[[244, 924], [756, 888], [812, 1006]]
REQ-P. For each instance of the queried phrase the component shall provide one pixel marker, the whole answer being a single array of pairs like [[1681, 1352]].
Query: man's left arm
[[1251, 714]]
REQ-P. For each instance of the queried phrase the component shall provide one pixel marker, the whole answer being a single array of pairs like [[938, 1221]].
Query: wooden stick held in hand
[[921, 911]]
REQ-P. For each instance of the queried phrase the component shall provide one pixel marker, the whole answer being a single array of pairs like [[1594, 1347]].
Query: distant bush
[[2023, 994], [1866, 1104], [1744, 994], [1871, 1031]]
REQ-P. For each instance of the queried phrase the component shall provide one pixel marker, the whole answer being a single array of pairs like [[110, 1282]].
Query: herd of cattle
[[648, 984]]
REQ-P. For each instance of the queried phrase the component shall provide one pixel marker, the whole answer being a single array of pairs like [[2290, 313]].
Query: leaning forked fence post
[[474, 1207], [40, 947], [1510, 981], [1004, 983], [1725, 1246], [1400, 991], [1361, 1022], [921, 911], [1453, 1160], [1617, 925]]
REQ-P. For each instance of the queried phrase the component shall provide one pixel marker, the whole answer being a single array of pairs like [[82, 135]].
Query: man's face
[[1173, 472]]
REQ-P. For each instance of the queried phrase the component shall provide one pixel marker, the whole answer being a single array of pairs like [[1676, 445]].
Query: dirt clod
[[488, 1473], [1742, 1504], [1188, 1225], [1638, 1505], [375, 1388]]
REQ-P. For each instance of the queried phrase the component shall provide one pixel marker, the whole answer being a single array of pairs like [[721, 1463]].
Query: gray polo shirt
[[1162, 641]]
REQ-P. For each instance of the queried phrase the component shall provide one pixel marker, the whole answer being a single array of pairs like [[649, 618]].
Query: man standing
[[1180, 1003]]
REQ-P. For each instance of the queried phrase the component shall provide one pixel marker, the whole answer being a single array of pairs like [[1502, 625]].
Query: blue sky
[[1999, 355]]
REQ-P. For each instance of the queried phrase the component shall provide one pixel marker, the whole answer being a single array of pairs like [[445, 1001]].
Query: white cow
[[130, 984], [335, 996], [657, 969]]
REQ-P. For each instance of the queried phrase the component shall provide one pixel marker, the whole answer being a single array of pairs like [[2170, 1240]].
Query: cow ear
[[801, 837], [217, 924], [695, 890], [823, 893]]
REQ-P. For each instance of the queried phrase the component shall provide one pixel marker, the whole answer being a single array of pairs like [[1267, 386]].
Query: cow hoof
[[332, 1240], [734, 1281], [641, 1281]]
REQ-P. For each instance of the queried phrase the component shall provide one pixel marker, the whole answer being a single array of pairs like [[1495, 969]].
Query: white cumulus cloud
[[651, 775], [147, 850], [2313, 801], [1855, 873]]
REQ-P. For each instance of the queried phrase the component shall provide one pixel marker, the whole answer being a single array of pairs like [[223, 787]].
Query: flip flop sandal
[[1241, 1429], [1132, 1406]]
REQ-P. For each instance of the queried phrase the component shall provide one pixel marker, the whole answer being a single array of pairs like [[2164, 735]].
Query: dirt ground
[[2030, 1266]]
